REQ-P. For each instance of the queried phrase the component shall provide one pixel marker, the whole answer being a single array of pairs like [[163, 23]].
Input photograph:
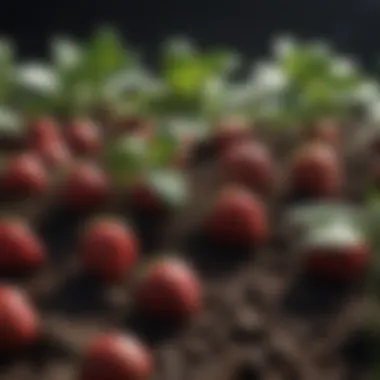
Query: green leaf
[[37, 87], [7, 53], [192, 79], [177, 51], [187, 80], [127, 158], [89, 84], [213, 98], [38, 78], [7, 57], [335, 233], [183, 128], [372, 219], [319, 214], [10, 122], [170, 186], [221, 63], [132, 84], [162, 149], [91, 75], [306, 62], [76, 92], [283, 46], [183, 69], [105, 56], [67, 55]]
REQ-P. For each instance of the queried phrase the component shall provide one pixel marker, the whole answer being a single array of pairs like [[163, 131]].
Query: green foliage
[[130, 156], [127, 158], [300, 81], [87, 71], [7, 59], [193, 81], [315, 214], [304, 81], [36, 87], [186, 70], [297, 84], [11, 123], [170, 186], [162, 149]]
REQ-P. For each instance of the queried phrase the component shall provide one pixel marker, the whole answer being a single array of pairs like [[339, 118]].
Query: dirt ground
[[263, 318]]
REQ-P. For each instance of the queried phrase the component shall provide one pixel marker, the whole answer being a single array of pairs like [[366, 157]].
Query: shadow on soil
[[152, 330], [79, 295], [148, 227], [43, 351], [59, 228], [211, 258], [311, 296], [357, 349]]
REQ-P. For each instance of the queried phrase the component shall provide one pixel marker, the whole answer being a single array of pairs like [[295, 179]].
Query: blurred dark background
[[247, 25]]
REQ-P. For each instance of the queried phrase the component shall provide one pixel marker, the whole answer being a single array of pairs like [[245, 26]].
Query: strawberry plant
[[301, 82], [97, 130]]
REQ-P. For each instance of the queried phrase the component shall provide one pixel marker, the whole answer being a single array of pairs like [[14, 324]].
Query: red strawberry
[[170, 290], [24, 176], [19, 323], [54, 153], [21, 250], [337, 252], [326, 131], [238, 217], [46, 140], [42, 129], [231, 131], [110, 249], [84, 137], [316, 171], [249, 164], [116, 357], [86, 187]]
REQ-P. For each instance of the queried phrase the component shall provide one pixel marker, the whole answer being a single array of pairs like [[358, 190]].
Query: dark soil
[[263, 318]]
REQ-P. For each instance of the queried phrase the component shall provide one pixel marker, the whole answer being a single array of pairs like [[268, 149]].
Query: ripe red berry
[[170, 290], [54, 153], [316, 171], [84, 137], [21, 250], [231, 131], [249, 164], [86, 187], [19, 323], [46, 140], [110, 249], [42, 129], [337, 252], [238, 217], [24, 176], [116, 357]]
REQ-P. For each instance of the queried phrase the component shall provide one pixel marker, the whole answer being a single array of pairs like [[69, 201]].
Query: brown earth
[[263, 318]]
